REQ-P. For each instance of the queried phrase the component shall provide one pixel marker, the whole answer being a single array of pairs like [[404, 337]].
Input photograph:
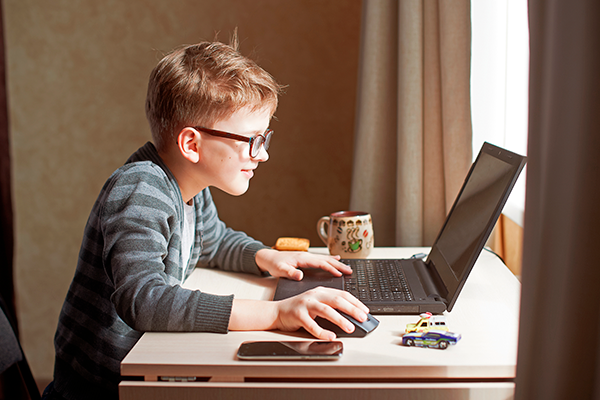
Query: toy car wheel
[[443, 345], [410, 342]]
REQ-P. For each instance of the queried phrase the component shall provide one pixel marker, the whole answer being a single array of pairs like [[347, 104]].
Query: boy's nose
[[263, 155]]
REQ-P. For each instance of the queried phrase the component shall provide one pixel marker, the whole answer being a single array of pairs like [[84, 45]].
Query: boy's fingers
[[339, 320], [345, 268], [329, 268], [314, 329], [297, 274], [340, 302], [335, 267], [329, 265], [293, 273], [354, 305]]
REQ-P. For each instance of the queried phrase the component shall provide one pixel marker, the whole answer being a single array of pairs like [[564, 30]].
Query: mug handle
[[321, 229]]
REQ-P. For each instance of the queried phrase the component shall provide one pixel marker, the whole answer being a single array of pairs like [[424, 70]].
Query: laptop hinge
[[432, 283]]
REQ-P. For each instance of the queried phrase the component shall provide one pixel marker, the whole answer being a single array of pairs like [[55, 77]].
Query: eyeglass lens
[[259, 141]]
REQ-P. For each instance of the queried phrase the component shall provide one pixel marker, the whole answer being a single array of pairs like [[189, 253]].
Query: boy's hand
[[286, 263], [299, 312]]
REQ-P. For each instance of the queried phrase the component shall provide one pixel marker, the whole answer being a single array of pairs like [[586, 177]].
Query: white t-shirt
[[189, 230]]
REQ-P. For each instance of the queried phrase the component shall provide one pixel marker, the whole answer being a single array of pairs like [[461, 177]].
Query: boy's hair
[[202, 84]]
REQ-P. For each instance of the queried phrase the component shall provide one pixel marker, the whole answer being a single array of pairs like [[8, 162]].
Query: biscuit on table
[[292, 244]]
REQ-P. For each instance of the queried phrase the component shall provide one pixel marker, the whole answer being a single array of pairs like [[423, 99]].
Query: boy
[[209, 110]]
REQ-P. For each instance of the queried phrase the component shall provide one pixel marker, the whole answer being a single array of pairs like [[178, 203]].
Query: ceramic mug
[[348, 234]]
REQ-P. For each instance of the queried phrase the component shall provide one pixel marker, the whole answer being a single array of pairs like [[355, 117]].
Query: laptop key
[[377, 280]]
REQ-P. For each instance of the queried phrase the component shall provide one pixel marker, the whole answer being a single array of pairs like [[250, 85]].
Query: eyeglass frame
[[266, 135]]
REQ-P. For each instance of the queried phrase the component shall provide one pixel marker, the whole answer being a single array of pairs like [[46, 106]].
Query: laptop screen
[[473, 215]]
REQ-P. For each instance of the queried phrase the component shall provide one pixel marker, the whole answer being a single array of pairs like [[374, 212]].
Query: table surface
[[486, 315]]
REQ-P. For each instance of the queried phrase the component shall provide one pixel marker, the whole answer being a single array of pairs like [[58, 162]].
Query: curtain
[[559, 339], [6, 212], [413, 127], [7, 387]]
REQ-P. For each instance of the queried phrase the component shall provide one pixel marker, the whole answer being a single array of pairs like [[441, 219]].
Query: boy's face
[[226, 163]]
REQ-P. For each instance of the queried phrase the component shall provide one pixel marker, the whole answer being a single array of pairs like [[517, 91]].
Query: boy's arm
[[231, 250], [223, 247], [138, 225], [138, 221]]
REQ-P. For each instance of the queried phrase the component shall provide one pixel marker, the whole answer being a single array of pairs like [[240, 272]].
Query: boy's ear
[[188, 142]]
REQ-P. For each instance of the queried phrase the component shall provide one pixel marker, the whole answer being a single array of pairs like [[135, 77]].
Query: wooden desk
[[481, 365]]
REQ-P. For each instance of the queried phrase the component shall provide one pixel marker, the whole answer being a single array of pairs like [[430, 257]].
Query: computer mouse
[[361, 329]]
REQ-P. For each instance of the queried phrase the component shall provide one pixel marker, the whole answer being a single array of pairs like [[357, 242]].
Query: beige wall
[[77, 75]]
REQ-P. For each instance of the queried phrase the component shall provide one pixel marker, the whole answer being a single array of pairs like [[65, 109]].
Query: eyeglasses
[[255, 141]]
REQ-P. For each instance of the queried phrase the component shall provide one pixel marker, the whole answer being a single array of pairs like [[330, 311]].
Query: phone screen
[[291, 350]]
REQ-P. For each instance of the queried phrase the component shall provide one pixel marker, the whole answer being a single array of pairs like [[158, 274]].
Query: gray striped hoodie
[[129, 273]]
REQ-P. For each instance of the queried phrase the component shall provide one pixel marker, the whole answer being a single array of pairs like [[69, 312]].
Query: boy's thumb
[[296, 274]]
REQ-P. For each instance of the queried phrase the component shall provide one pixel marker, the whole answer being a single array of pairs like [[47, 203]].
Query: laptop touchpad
[[313, 278]]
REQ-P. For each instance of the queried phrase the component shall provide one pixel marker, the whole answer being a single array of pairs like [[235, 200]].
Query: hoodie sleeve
[[223, 247], [142, 236]]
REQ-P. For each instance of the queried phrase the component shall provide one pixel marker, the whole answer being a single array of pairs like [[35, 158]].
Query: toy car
[[438, 339], [427, 323]]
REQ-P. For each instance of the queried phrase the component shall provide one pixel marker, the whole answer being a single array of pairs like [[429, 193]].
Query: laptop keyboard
[[377, 280]]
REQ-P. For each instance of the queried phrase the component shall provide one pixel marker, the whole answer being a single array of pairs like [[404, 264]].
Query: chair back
[[10, 351], [11, 354]]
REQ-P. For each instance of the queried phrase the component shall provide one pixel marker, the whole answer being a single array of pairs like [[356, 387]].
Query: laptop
[[432, 284]]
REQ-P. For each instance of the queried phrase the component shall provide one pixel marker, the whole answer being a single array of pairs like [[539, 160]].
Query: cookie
[[292, 244]]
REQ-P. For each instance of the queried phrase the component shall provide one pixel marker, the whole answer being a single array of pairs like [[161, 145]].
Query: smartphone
[[291, 350]]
